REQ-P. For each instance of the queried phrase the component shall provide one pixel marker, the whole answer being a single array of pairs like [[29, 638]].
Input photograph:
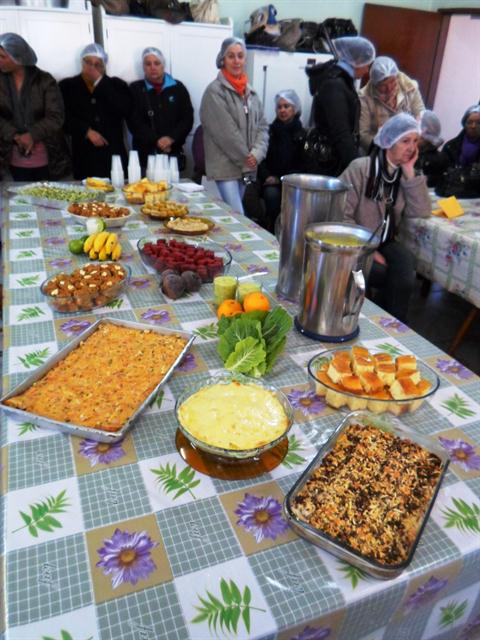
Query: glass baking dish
[[337, 547]]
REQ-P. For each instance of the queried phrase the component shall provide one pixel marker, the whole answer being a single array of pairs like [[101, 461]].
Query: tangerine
[[256, 301], [229, 308]]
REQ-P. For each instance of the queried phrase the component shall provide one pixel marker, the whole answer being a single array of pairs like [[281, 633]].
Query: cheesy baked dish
[[370, 493], [233, 416], [102, 382]]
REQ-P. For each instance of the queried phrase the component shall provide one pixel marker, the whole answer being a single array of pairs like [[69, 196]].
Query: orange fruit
[[229, 308], [256, 301]]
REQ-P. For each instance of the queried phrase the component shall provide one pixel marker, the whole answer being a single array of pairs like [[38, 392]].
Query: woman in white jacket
[[234, 128]]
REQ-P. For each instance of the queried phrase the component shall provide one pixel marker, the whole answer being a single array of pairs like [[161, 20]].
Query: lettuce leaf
[[247, 355]]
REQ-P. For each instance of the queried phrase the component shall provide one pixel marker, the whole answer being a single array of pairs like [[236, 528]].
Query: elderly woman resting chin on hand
[[385, 188]]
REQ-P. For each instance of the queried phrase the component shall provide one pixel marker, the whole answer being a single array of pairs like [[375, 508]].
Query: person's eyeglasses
[[95, 65]]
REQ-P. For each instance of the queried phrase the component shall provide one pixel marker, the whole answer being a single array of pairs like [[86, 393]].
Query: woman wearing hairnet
[[32, 143], [235, 131], [95, 108], [162, 112], [388, 92], [336, 107], [430, 160], [284, 153], [385, 188]]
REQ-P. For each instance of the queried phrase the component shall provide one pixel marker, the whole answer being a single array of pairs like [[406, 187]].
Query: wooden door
[[412, 38]]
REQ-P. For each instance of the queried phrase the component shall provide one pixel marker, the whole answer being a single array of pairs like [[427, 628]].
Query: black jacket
[[104, 110], [285, 148], [171, 114], [336, 112]]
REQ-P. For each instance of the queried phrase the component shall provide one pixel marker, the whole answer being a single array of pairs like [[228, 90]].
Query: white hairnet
[[153, 51], [383, 67], [394, 129], [473, 109], [430, 128], [95, 50], [290, 96], [354, 50], [226, 44], [18, 49]]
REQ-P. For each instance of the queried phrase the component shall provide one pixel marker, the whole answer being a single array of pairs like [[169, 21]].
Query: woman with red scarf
[[234, 127]]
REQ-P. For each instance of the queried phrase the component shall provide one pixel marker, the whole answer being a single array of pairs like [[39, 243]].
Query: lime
[[76, 246], [95, 225]]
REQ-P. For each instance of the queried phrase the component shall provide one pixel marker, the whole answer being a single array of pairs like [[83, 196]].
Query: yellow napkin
[[449, 208]]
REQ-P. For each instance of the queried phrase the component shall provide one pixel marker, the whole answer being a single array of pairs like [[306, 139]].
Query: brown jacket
[[374, 112], [412, 201], [46, 106]]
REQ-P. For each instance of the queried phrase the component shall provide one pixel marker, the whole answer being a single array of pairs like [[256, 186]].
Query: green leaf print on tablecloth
[[171, 481], [24, 234], [458, 406], [464, 517], [158, 399], [452, 612], [227, 613], [28, 281], [293, 458], [35, 358], [41, 515], [26, 254], [354, 574], [26, 427], [206, 332], [28, 313], [22, 216], [389, 348], [114, 304], [64, 635]]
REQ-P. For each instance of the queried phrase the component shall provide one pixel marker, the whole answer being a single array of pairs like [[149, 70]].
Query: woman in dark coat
[[32, 143], [162, 112], [336, 106], [284, 153], [95, 109]]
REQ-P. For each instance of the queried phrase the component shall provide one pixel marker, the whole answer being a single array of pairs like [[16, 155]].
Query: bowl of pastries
[[232, 416], [163, 209], [136, 192], [113, 215], [358, 379]]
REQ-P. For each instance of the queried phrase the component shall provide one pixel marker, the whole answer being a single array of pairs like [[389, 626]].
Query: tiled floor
[[439, 316]]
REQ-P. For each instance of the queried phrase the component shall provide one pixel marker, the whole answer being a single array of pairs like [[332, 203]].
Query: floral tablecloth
[[126, 541], [448, 250]]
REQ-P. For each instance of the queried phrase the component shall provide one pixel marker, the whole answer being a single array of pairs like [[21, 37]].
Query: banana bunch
[[102, 246]]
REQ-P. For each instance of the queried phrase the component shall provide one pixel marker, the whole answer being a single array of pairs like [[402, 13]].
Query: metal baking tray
[[79, 430], [339, 549], [51, 202]]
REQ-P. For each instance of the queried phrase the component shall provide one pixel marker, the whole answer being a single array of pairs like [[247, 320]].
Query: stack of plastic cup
[[117, 175], [151, 168], [134, 171], [174, 173], [161, 171]]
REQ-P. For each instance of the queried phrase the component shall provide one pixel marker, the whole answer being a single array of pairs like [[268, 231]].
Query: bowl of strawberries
[[180, 254]]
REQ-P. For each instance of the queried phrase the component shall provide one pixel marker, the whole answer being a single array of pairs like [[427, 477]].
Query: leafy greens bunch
[[251, 342]]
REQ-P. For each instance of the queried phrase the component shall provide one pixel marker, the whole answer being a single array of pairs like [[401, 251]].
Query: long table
[[130, 558]]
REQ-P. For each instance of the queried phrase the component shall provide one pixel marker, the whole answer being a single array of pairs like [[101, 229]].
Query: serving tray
[[52, 203], [80, 430]]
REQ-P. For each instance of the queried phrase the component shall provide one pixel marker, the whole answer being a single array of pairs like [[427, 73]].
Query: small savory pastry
[[338, 369], [363, 364], [371, 382], [409, 374], [382, 358], [402, 389], [386, 373], [406, 362]]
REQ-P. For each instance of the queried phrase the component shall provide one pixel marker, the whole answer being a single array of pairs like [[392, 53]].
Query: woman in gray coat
[[234, 128], [385, 188]]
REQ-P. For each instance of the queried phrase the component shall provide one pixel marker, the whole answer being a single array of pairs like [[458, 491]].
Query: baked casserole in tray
[[367, 494], [98, 384]]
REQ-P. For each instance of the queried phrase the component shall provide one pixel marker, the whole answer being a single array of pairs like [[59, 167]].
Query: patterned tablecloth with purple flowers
[[126, 541], [448, 250]]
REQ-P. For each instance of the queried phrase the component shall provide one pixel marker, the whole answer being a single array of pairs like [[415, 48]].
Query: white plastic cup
[[174, 173], [117, 176], [151, 168], [161, 170]]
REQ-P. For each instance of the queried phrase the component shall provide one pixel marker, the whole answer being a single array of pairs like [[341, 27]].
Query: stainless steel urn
[[305, 199], [338, 257]]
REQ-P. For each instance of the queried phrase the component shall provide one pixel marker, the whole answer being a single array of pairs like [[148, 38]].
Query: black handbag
[[461, 182], [317, 154]]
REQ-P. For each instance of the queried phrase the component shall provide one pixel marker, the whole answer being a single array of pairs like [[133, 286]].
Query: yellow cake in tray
[[358, 379]]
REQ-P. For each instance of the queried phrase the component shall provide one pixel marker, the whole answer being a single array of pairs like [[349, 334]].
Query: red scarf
[[157, 87], [239, 84]]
